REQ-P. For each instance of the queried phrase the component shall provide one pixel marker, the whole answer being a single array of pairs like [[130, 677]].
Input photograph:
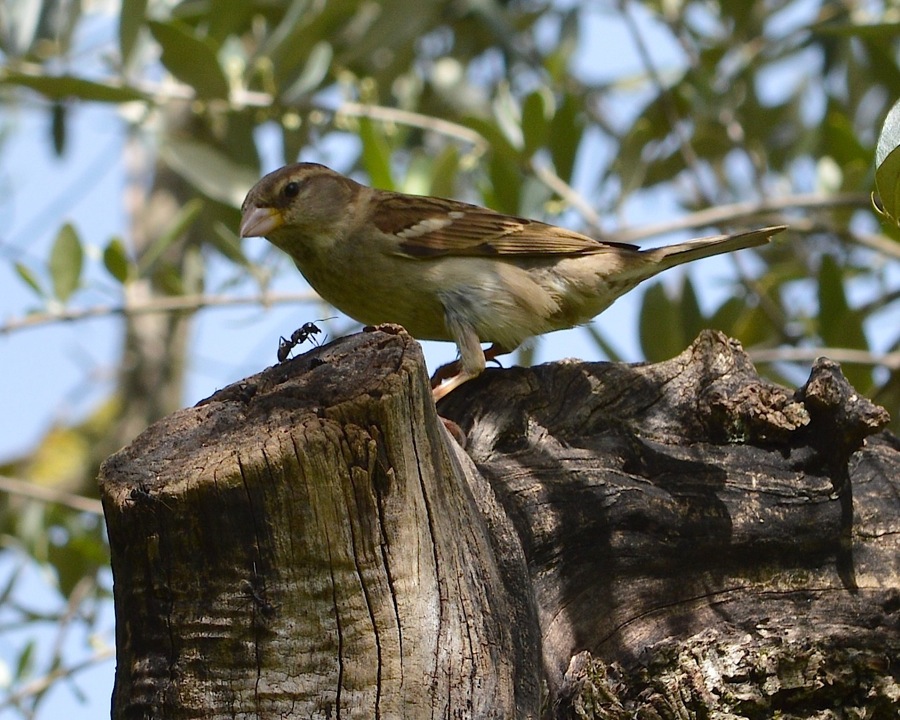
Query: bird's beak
[[260, 221]]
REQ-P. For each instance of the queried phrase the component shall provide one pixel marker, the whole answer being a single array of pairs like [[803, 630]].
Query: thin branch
[[724, 214], [23, 488], [180, 303], [567, 193], [879, 243], [41, 684], [413, 119], [841, 355]]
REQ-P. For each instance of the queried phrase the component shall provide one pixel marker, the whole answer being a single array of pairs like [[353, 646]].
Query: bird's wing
[[435, 227]]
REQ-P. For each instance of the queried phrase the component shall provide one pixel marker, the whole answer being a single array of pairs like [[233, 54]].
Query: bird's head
[[300, 201]]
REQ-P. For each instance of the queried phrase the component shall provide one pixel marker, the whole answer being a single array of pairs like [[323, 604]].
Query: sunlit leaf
[[66, 259], [887, 162]]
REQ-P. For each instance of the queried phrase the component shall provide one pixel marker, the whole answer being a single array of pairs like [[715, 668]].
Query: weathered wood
[[719, 543], [654, 540], [304, 544]]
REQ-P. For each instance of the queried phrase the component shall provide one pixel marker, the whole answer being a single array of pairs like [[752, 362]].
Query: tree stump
[[673, 540]]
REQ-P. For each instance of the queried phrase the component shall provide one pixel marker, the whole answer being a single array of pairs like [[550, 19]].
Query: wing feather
[[433, 227]]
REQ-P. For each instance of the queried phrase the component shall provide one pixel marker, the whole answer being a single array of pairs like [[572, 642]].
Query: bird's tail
[[679, 253]]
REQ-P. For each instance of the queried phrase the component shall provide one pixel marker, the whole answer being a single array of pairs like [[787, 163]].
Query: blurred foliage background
[[756, 113]]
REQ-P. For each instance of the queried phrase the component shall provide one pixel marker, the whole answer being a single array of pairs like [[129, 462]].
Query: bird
[[449, 270]]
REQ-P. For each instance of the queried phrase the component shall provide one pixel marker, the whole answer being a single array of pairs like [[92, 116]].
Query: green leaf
[[508, 117], [294, 138], [169, 279], [659, 328], [749, 324], [314, 72], [227, 17], [887, 165], [443, 172], [131, 19], [839, 325], [175, 229], [25, 663], [117, 262], [691, 320], [226, 241], [726, 316], [506, 184], [66, 260], [566, 128], [376, 154], [191, 59], [30, 279], [536, 113], [58, 128], [605, 346], [60, 87], [209, 170]]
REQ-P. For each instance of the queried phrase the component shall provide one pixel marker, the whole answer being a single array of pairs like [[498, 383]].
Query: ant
[[305, 332]]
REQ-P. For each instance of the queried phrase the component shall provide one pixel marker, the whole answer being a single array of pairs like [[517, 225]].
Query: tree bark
[[673, 540]]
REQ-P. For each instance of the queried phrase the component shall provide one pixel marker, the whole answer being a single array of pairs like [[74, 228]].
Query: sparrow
[[449, 270]]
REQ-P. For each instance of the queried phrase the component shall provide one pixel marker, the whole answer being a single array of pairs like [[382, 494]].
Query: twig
[[567, 193], [35, 687], [842, 355], [180, 303], [733, 212], [23, 488], [879, 243], [413, 119]]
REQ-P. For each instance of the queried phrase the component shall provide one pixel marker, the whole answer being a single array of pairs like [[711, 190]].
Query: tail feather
[[672, 255]]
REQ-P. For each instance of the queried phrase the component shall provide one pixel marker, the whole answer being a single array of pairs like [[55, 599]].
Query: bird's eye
[[292, 189]]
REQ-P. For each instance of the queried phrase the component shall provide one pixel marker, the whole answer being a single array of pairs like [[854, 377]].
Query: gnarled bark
[[651, 540]]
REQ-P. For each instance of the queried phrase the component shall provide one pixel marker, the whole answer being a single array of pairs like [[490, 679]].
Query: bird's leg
[[471, 357]]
